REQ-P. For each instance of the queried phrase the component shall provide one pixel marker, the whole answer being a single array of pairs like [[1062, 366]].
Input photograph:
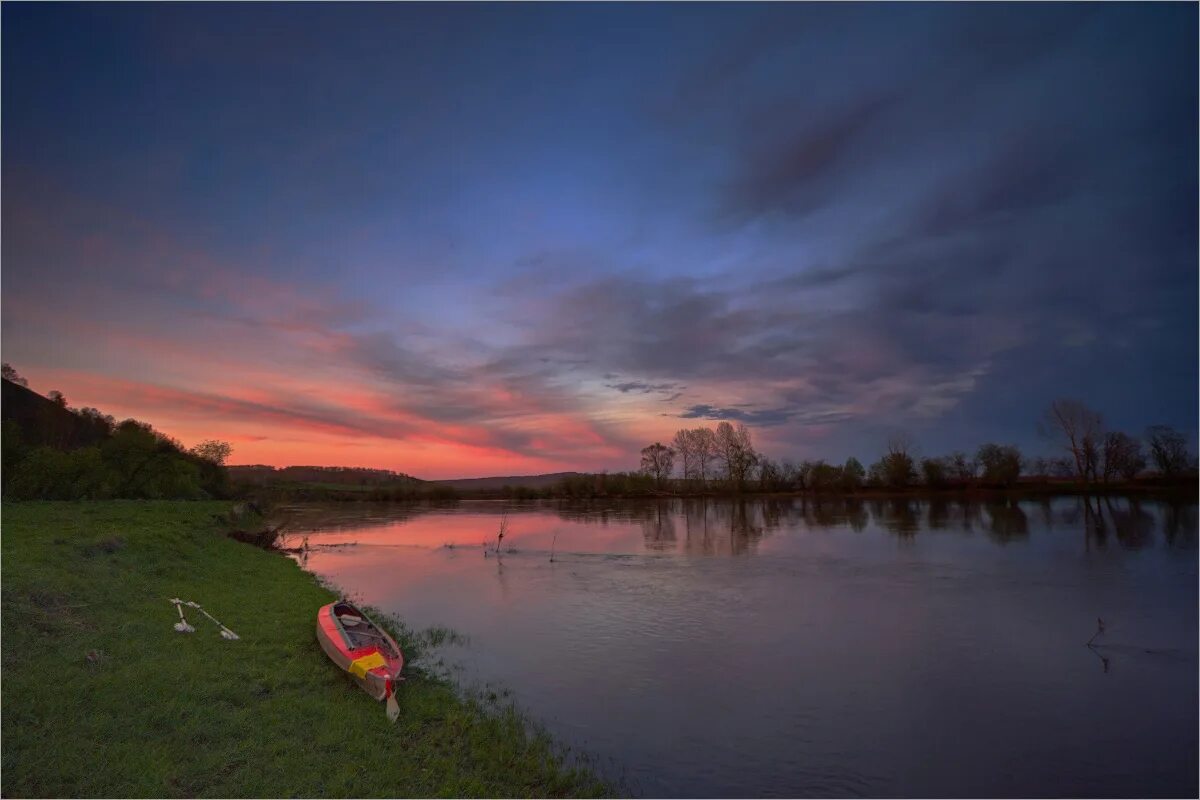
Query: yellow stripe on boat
[[364, 664]]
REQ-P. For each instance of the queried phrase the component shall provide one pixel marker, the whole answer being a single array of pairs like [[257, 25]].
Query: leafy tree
[[853, 474], [824, 477], [9, 374], [959, 467], [894, 470], [99, 425], [1001, 464], [657, 461], [933, 472], [57, 398], [1169, 450], [14, 451], [212, 450]]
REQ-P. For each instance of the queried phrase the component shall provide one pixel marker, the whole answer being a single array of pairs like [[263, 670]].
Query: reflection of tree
[[972, 515], [659, 529], [1179, 524], [1133, 526], [1094, 529], [937, 515], [1007, 522], [774, 512], [856, 515], [829, 512], [733, 526], [900, 517], [823, 512], [1047, 509], [695, 520], [743, 532]]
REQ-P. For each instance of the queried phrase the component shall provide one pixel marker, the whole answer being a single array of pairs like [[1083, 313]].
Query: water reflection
[[703, 526], [1007, 522], [1179, 523], [813, 646]]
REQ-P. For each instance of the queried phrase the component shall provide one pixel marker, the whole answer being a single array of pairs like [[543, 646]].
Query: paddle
[[393, 707], [225, 632], [182, 626]]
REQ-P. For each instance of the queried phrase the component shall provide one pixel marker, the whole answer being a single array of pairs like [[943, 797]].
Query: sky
[[457, 239]]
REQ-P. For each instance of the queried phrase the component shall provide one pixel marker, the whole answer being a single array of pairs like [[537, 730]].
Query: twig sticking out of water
[[1092, 647], [553, 542], [503, 529], [1099, 630]]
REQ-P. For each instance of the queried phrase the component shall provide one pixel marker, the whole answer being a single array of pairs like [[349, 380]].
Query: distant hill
[[499, 482], [262, 474]]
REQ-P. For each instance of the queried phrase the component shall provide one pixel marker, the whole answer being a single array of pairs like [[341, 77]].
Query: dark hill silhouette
[[43, 422], [51, 452]]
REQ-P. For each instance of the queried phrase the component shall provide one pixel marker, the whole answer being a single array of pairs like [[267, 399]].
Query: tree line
[[704, 459]]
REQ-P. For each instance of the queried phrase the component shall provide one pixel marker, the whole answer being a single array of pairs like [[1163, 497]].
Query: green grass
[[166, 714]]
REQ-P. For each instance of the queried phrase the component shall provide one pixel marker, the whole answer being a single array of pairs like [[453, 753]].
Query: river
[[785, 647]]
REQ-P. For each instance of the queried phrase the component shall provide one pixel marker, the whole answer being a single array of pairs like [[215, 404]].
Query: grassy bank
[[102, 697]]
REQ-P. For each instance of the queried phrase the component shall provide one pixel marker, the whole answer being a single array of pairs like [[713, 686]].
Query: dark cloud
[[796, 175], [765, 417], [642, 387]]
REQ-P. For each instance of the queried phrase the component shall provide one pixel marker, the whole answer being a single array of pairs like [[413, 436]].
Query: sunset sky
[[458, 240]]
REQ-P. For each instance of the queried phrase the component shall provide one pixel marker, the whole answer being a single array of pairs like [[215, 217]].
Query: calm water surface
[[783, 647]]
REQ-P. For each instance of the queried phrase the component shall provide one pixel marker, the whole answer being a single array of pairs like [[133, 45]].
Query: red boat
[[359, 646]]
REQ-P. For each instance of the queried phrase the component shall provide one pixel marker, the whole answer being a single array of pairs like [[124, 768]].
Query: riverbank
[[103, 698]]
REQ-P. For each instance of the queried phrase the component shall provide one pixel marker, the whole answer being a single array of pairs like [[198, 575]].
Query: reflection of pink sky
[[638, 530], [525, 532]]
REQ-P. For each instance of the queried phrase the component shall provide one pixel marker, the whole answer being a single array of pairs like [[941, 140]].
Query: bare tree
[[735, 451], [789, 475], [684, 445], [1168, 448], [657, 461], [901, 444], [1122, 456], [704, 443], [1078, 430], [769, 475]]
